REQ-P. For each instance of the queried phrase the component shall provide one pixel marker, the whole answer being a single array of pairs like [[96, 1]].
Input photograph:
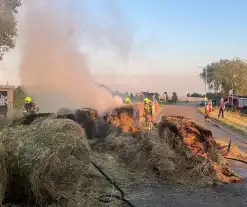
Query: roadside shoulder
[[230, 129]]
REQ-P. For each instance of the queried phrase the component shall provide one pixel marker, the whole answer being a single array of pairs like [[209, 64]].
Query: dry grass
[[233, 120]]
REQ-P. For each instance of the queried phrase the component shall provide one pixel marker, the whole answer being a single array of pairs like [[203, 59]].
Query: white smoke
[[52, 69]]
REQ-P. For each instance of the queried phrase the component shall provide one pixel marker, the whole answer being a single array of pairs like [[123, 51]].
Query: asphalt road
[[231, 195]]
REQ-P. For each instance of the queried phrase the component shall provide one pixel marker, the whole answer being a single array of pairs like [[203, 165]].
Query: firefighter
[[127, 100], [148, 114], [30, 107], [208, 110]]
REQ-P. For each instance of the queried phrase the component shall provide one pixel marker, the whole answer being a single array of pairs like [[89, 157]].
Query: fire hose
[[108, 198], [228, 150]]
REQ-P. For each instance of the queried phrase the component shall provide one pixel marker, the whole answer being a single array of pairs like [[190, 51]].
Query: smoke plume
[[53, 70]]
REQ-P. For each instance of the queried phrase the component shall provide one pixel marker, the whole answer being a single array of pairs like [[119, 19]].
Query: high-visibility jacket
[[208, 107], [147, 108]]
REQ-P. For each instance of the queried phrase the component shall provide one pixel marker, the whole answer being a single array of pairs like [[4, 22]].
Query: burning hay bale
[[124, 118], [46, 161], [199, 140], [197, 146]]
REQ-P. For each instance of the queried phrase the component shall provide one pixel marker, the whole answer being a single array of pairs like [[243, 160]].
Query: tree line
[[157, 96], [225, 75]]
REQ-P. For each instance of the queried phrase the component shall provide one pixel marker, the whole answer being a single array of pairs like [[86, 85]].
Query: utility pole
[[206, 80], [232, 98], [206, 85]]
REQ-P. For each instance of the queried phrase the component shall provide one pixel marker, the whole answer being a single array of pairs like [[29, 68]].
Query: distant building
[[238, 102], [6, 100]]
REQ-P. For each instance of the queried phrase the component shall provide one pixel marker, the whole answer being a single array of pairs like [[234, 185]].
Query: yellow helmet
[[127, 100], [28, 100], [146, 100]]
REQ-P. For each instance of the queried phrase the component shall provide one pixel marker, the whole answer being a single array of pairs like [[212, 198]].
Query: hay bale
[[198, 140], [3, 172], [64, 111], [46, 160], [198, 151], [86, 118], [102, 129]]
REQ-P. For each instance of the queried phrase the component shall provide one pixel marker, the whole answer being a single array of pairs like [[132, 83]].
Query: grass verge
[[233, 120]]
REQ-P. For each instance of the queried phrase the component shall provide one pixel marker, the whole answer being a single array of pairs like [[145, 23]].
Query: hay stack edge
[[46, 159]]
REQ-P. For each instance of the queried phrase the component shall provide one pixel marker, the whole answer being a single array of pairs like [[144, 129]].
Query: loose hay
[[180, 151], [149, 157], [46, 161]]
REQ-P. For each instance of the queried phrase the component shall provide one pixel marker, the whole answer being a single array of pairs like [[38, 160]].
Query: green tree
[[224, 75], [196, 95], [8, 25], [188, 94], [174, 97], [19, 96], [157, 96], [132, 96]]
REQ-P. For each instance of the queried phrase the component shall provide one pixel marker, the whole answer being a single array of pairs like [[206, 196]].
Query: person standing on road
[[222, 107], [208, 110]]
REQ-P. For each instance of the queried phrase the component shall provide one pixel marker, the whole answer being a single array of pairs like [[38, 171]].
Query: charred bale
[[86, 118], [197, 138]]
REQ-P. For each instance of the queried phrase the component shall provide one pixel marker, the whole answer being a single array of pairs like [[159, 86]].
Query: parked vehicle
[[237, 102]]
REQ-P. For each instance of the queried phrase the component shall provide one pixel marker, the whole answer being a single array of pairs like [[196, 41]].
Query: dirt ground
[[231, 195]]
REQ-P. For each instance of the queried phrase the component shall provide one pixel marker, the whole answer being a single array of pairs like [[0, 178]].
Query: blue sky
[[166, 37], [200, 30]]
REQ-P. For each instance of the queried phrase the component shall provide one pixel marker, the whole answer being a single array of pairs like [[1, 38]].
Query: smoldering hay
[[53, 70]]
